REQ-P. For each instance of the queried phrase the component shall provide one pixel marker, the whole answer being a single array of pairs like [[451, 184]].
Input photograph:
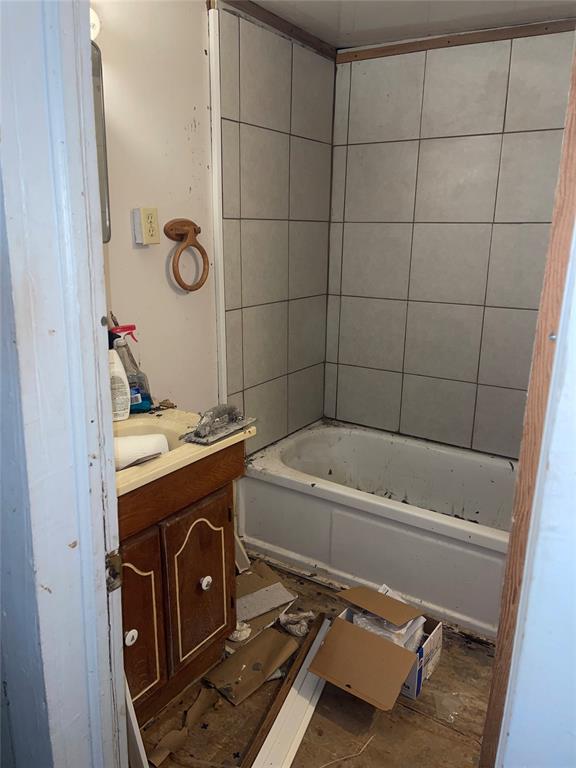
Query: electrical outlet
[[145, 225]]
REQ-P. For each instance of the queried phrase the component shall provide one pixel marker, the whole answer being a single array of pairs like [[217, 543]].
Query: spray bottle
[[140, 398], [119, 387]]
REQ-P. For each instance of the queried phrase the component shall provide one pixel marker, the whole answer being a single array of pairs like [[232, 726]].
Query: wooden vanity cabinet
[[178, 600]]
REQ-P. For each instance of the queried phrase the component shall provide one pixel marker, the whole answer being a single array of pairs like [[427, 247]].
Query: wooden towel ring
[[186, 232]]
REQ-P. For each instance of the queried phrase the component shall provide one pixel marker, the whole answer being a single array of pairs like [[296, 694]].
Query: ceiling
[[349, 23]]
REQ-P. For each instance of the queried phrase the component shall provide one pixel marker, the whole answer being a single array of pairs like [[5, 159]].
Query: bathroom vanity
[[176, 522]]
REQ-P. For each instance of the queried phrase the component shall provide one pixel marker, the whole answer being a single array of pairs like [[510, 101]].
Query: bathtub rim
[[268, 466]]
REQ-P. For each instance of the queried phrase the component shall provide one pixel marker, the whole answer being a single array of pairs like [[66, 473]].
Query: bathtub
[[361, 506]]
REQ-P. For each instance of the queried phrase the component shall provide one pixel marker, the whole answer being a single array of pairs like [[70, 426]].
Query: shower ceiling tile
[[457, 179], [305, 397], [539, 82], [264, 261], [372, 332], [265, 77], [517, 261], [308, 258], [528, 175], [499, 420], [386, 98], [312, 95], [507, 342], [309, 180], [307, 332], [443, 340], [450, 262], [380, 181], [465, 89], [376, 260], [264, 163], [369, 397], [438, 409], [265, 334]]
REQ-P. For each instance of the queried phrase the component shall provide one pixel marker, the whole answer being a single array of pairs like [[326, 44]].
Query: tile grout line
[[240, 220], [400, 405], [289, 219], [473, 425]]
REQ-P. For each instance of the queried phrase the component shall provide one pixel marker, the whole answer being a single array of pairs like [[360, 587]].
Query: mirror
[[98, 91]]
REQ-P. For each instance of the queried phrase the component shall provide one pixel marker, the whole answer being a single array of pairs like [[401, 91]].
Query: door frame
[[55, 261], [549, 343]]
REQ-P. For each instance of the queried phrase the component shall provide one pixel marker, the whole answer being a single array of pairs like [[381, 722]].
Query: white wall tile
[[330, 383], [457, 179], [229, 66], [499, 420], [376, 260], [507, 342], [230, 170], [269, 404], [307, 337], [438, 409], [237, 400], [339, 155], [386, 98], [381, 181], [332, 328], [264, 163], [265, 335], [372, 332], [308, 258], [232, 265], [341, 104], [265, 77], [234, 368], [539, 82], [264, 261], [335, 259], [305, 397], [517, 262], [443, 340], [369, 397], [450, 262], [309, 180], [312, 94], [528, 175], [465, 89]]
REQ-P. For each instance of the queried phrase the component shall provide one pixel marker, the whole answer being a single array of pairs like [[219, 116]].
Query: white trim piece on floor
[[281, 744]]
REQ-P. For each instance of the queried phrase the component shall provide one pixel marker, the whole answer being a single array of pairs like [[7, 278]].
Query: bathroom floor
[[443, 727]]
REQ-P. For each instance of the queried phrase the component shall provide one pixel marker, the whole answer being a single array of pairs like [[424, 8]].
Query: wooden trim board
[[561, 233], [265, 16], [461, 38]]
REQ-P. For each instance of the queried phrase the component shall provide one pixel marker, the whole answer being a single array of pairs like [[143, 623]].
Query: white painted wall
[[539, 726], [157, 101]]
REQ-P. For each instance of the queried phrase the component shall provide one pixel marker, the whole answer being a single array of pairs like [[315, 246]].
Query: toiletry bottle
[[140, 398], [119, 386]]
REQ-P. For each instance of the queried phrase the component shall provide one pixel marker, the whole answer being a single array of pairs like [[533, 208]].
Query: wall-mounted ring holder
[[186, 233]]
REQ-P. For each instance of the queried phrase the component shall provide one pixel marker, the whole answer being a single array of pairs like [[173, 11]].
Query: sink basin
[[172, 424]]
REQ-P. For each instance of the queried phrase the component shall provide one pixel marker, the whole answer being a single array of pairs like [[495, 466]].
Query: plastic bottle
[[140, 397], [119, 386]]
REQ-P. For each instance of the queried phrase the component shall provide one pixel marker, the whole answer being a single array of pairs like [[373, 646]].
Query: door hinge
[[113, 570]]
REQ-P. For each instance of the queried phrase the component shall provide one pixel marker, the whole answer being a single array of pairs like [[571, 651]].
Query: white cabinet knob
[[206, 583], [130, 637]]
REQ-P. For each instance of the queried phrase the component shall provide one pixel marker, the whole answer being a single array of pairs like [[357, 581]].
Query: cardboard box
[[370, 666]]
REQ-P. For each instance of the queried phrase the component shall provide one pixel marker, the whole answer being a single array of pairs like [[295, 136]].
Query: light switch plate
[[145, 226]]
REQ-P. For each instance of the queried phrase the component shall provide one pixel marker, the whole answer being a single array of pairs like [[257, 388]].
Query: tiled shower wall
[[277, 105], [445, 165]]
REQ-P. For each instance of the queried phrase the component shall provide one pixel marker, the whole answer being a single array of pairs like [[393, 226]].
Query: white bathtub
[[362, 506]]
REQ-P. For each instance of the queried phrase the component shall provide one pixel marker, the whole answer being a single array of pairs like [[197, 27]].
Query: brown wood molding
[[461, 38], [562, 229], [277, 22]]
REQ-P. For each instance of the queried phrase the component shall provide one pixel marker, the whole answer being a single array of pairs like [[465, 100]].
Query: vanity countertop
[[172, 423]]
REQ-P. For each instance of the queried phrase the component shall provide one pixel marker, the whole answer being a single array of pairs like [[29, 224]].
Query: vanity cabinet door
[[199, 560], [143, 614]]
